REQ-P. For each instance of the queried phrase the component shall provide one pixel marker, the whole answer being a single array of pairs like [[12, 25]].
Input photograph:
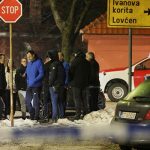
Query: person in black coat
[[2, 73], [2, 76], [94, 83], [56, 83], [79, 81], [46, 93], [21, 85], [2, 85]]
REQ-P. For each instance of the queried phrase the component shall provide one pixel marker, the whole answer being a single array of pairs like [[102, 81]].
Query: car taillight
[[147, 116]]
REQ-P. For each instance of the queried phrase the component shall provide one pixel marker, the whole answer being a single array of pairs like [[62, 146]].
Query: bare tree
[[70, 16]]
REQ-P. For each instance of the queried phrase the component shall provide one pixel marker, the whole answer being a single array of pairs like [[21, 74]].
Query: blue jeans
[[57, 104], [33, 94]]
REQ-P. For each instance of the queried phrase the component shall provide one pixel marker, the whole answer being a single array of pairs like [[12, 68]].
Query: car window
[[144, 65], [142, 91]]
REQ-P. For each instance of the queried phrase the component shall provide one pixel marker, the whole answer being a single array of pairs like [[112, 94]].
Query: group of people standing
[[52, 78], [18, 87]]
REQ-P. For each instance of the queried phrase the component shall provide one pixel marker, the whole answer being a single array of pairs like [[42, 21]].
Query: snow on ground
[[18, 123], [101, 117], [94, 125]]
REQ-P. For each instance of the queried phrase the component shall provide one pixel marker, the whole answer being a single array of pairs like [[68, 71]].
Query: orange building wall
[[111, 51]]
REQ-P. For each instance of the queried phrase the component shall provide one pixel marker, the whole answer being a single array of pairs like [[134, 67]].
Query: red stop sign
[[10, 10]]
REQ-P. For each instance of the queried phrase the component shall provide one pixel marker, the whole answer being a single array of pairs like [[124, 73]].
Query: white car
[[114, 82]]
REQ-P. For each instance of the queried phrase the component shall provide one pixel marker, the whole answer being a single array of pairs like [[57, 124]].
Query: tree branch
[[59, 21], [72, 12], [82, 16]]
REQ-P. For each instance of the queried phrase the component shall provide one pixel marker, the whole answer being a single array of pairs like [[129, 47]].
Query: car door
[[141, 72]]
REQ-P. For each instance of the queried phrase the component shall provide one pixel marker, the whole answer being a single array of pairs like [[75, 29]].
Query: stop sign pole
[[10, 12], [11, 77]]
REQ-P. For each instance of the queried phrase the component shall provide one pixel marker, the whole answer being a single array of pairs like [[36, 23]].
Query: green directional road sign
[[128, 13]]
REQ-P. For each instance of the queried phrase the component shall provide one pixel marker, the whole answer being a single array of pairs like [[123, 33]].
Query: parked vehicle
[[114, 82], [133, 113]]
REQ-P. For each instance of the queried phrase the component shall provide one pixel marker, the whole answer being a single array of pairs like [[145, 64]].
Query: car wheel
[[124, 147], [117, 91]]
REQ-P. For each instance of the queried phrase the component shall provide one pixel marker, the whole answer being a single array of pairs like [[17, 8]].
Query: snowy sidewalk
[[95, 124], [101, 117]]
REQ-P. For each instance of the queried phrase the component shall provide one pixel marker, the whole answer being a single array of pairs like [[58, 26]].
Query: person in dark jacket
[[2, 73], [66, 67], [2, 85], [35, 74], [56, 83], [94, 83], [21, 85], [46, 93], [79, 75]]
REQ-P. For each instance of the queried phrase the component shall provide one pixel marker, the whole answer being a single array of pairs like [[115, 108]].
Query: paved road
[[60, 145]]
